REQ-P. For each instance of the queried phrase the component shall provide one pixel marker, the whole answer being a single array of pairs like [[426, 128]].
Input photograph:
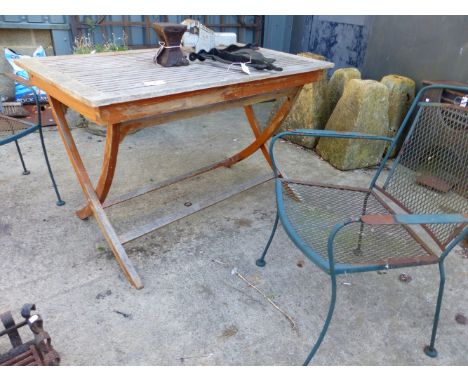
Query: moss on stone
[[312, 55], [337, 83], [401, 95], [362, 108]]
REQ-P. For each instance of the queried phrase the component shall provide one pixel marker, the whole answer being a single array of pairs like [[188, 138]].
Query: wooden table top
[[108, 78]]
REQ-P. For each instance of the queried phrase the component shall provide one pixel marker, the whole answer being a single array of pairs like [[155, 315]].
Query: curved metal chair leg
[[25, 170], [60, 202], [327, 322], [261, 261], [430, 349]]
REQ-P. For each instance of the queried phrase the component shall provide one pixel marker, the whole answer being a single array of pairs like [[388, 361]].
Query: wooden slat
[[157, 186], [195, 207], [116, 77]]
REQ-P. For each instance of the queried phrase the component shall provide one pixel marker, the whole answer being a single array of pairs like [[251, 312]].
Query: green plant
[[84, 44]]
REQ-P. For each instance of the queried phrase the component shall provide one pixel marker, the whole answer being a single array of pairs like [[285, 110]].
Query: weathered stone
[[401, 95], [7, 86], [72, 117], [95, 129], [310, 111], [362, 108], [337, 83], [75, 119], [315, 56]]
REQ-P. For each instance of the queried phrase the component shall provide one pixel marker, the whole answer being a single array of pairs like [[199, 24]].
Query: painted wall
[[277, 32], [420, 47], [56, 24], [341, 39]]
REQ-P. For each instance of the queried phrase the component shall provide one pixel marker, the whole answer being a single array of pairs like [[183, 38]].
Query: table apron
[[129, 126], [205, 98]]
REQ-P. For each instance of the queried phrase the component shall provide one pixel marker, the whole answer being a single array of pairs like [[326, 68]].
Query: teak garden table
[[125, 91]]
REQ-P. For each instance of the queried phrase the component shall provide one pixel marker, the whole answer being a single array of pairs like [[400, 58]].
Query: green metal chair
[[422, 199], [13, 129]]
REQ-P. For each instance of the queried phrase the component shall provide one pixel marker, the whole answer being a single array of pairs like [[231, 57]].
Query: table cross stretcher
[[125, 91]]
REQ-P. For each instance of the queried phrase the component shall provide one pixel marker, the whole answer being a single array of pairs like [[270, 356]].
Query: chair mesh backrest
[[430, 174]]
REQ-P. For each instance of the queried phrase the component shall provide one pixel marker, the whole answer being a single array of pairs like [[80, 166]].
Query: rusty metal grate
[[313, 210], [430, 176], [37, 352], [30, 357]]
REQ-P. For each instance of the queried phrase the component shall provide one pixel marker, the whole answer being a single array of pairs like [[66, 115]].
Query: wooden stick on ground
[[234, 271]]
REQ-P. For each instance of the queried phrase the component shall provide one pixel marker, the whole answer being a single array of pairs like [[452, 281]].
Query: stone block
[[75, 119], [401, 95], [315, 56], [7, 86], [310, 111], [337, 83], [362, 108]]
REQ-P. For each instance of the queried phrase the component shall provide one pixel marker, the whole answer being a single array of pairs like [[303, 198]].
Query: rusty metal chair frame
[[426, 189], [14, 129], [36, 352]]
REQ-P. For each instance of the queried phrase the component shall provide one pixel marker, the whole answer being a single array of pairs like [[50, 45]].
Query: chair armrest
[[423, 219], [415, 219], [322, 133]]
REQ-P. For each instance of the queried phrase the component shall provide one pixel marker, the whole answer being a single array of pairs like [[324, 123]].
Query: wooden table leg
[[260, 140], [267, 133], [109, 163], [249, 112], [85, 182]]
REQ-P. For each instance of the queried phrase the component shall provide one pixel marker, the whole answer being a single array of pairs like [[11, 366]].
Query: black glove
[[247, 54]]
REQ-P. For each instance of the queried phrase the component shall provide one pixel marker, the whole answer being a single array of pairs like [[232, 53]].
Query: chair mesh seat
[[314, 210]]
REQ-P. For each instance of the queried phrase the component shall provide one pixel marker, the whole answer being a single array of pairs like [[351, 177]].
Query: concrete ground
[[193, 310]]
